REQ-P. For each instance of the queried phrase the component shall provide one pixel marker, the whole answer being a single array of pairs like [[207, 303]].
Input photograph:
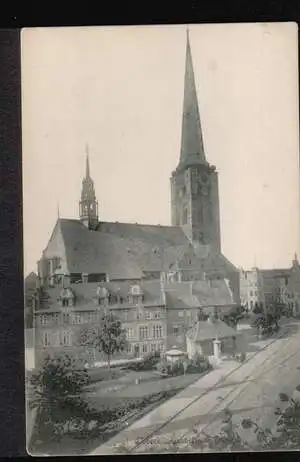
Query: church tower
[[194, 183], [88, 205]]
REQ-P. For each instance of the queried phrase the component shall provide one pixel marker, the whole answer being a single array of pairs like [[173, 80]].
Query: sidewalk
[[157, 418], [168, 409]]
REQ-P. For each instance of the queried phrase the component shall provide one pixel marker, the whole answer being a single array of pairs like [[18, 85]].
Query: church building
[[140, 270]]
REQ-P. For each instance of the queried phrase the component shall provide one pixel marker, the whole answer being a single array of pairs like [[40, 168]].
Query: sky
[[120, 90]]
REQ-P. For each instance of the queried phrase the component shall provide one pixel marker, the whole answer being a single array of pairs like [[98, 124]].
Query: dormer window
[[102, 295], [67, 297], [136, 290]]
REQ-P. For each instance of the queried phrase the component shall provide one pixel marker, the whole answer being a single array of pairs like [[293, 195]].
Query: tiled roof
[[86, 294], [94, 252], [209, 330], [156, 234], [123, 250], [198, 294], [273, 273]]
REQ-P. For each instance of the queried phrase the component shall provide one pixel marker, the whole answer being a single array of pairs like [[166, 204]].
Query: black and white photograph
[[161, 238]]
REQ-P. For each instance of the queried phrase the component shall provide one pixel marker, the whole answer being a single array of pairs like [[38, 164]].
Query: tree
[[109, 337], [55, 392], [234, 316]]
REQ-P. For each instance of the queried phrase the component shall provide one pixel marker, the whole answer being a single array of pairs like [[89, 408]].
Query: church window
[[157, 314], [184, 218], [153, 347], [161, 347], [147, 315], [180, 314]]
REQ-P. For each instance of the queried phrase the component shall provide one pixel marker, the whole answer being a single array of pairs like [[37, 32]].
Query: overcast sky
[[120, 89]]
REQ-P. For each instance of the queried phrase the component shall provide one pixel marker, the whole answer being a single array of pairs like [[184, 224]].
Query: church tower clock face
[[204, 179]]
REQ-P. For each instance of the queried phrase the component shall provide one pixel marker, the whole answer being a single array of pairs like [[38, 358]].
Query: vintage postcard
[[161, 238]]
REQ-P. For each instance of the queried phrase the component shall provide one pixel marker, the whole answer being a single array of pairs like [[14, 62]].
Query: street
[[249, 391]]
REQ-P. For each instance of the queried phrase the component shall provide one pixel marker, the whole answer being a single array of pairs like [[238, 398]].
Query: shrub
[[148, 362]]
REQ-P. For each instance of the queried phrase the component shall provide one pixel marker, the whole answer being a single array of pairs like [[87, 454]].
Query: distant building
[[292, 295], [126, 258], [251, 288], [30, 284], [268, 287], [275, 283]]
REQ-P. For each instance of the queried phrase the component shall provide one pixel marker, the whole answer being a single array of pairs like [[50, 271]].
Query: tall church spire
[[194, 183], [192, 148]]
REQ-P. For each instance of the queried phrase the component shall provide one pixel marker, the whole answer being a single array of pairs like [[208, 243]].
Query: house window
[[125, 315], [157, 314], [46, 339], [251, 293], [147, 315], [157, 331], [56, 318], [153, 347], [43, 319], [65, 338], [180, 314], [143, 332], [175, 330], [66, 318], [129, 347], [129, 332], [137, 299], [161, 347], [144, 348]]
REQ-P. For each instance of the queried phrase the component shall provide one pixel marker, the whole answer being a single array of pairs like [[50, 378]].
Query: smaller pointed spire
[[87, 170]]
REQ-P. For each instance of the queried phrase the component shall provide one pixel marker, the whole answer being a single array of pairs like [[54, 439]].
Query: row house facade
[[155, 316], [70, 312]]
